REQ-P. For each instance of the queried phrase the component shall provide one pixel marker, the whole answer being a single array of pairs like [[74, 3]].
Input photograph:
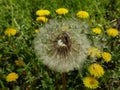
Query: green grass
[[20, 14]]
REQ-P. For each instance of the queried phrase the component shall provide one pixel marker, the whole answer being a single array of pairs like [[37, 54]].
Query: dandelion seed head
[[62, 50]]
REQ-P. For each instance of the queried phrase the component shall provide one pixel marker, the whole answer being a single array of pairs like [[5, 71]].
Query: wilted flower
[[94, 52], [10, 32], [106, 56], [96, 70], [62, 50], [83, 14], [112, 32], [42, 19], [62, 11], [42, 12], [12, 77], [19, 62], [96, 30], [90, 82]]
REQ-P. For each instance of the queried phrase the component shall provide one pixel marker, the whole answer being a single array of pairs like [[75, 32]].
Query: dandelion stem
[[63, 81], [56, 82]]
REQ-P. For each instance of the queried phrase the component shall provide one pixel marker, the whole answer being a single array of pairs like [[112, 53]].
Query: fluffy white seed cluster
[[62, 45]]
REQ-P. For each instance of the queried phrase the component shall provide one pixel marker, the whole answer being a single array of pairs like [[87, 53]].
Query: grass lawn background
[[20, 14]]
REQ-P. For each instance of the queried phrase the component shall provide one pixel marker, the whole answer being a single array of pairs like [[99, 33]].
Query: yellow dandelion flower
[[106, 56], [112, 32], [12, 77], [94, 52], [96, 70], [96, 30], [83, 14], [42, 19], [61, 11], [10, 32], [37, 30], [42, 12], [90, 82], [19, 62]]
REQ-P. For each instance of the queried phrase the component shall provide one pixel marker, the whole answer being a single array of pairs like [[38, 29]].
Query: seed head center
[[61, 43]]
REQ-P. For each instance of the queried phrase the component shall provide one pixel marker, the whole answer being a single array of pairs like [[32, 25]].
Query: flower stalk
[[63, 81]]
